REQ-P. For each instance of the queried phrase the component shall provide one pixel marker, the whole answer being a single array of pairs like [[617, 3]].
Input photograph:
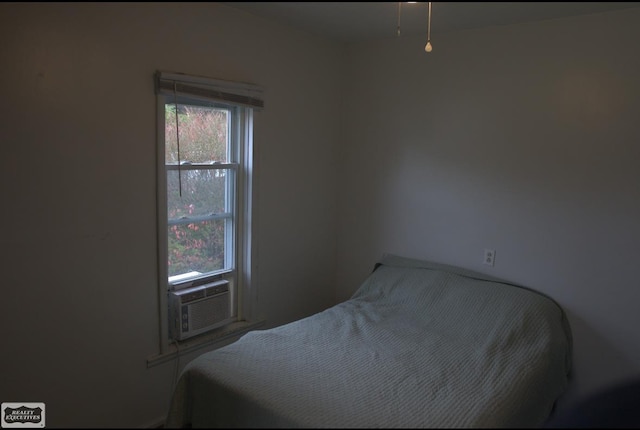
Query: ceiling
[[359, 21]]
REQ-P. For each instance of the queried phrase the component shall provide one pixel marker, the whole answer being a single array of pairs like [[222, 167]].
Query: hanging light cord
[[428, 47], [399, 13], [429, 24], [175, 101]]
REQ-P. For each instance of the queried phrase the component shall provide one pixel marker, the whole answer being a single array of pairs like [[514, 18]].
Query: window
[[205, 153]]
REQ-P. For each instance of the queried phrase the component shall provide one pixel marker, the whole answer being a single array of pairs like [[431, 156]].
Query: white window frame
[[243, 99]]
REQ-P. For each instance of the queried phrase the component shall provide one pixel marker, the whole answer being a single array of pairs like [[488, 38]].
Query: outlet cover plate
[[489, 257]]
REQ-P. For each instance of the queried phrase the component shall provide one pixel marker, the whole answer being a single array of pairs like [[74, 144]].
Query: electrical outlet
[[489, 257]]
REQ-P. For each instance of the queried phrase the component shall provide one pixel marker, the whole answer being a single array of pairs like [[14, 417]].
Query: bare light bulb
[[428, 47]]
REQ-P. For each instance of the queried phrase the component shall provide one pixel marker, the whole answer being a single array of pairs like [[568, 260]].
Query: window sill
[[237, 328]]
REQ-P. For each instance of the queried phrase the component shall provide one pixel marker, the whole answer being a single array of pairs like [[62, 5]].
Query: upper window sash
[[191, 219]]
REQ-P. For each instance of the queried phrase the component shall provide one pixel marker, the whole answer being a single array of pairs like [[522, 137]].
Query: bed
[[419, 344]]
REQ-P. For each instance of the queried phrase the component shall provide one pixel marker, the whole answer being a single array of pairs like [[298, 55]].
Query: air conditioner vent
[[195, 310]]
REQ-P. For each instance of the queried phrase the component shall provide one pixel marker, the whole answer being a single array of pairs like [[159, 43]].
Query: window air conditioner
[[196, 310]]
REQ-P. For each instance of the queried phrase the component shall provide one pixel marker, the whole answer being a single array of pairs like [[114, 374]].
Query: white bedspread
[[418, 345]]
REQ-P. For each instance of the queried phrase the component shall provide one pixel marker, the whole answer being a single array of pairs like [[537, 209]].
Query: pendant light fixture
[[428, 47]]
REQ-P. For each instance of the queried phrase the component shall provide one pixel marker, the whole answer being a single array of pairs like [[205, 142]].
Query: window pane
[[197, 246], [203, 192], [204, 133]]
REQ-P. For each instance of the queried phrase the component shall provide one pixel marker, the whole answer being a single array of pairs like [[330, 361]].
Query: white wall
[[523, 139], [79, 269]]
